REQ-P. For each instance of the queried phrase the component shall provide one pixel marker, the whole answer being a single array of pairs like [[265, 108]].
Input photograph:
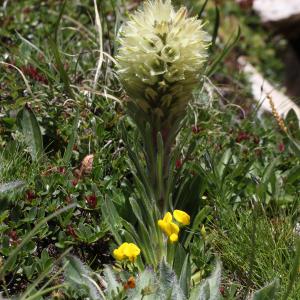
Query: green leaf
[[209, 288], [292, 122], [146, 285], [292, 175], [113, 286], [149, 147], [187, 198], [58, 62], [294, 270], [146, 236], [135, 159], [294, 145], [268, 292], [185, 276], [179, 259], [3, 216], [56, 25], [135, 238], [169, 286], [77, 274], [14, 253], [136, 209], [269, 171], [202, 9], [159, 169], [61, 70], [112, 219], [224, 162], [216, 28], [31, 130], [68, 152]]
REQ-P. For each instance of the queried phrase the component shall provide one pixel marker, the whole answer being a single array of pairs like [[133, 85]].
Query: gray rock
[[262, 89], [283, 15]]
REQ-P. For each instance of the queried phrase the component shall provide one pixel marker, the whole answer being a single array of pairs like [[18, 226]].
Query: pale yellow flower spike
[[161, 57]]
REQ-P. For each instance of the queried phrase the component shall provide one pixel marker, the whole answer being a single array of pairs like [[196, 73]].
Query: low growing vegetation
[[132, 161]]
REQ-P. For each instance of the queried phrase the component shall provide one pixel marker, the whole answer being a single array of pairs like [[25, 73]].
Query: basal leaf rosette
[[160, 60]]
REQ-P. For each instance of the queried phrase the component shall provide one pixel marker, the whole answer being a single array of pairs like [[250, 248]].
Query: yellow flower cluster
[[170, 228], [128, 251]]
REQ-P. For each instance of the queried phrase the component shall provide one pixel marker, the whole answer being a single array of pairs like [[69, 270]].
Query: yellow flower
[[167, 218], [127, 251], [132, 251], [119, 252], [181, 217], [168, 227], [173, 237]]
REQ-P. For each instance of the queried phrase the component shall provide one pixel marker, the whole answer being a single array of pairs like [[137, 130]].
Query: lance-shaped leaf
[[79, 276], [209, 288], [31, 130], [268, 292]]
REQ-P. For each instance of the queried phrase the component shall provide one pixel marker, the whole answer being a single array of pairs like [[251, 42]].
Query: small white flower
[[297, 229]]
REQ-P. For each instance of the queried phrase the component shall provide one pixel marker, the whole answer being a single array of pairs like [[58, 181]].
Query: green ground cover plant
[[107, 195]]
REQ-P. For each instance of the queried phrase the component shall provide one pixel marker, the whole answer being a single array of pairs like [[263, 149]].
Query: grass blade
[[216, 28], [294, 271], [63, 74], [202, 9], [68, 152], [99, 29], [228, 47]]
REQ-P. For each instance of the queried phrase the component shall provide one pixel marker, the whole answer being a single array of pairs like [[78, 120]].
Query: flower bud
[[203, 232]]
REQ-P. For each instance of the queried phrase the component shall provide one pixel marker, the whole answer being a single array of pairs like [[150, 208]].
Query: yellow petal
[[165, 227], [119, 255], [161, 224], [181, 217], [174, 228], [180, 15], [132, 251], [168, 217], [123, 246], [173, 238], [119, 252]]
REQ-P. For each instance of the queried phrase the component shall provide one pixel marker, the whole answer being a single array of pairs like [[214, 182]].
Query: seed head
[[276, 115]]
